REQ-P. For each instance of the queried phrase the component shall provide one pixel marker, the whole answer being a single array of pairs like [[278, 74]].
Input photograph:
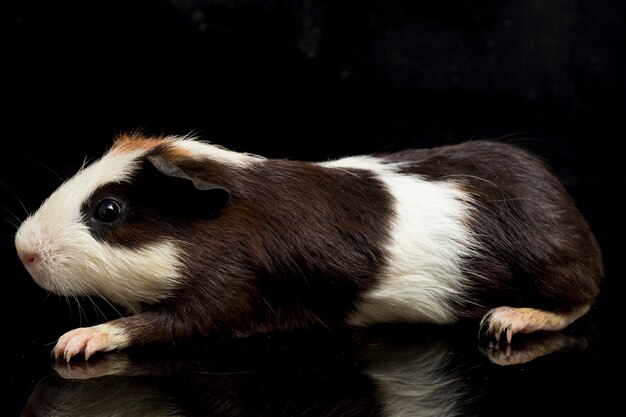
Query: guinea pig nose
[[28, 257]]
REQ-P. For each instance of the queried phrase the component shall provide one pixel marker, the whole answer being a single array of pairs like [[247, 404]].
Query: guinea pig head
[[116, 228]]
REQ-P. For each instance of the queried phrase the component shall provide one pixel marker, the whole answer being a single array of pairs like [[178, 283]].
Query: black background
[[306, 80]]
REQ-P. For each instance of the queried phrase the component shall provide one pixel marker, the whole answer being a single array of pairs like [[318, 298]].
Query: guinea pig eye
[[107, 210]]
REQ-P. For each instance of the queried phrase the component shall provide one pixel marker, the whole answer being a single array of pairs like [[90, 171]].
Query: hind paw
[[509, 321]]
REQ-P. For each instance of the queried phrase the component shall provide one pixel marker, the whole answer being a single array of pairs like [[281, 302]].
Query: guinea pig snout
[[30, 254], [29, 257], [31, 249]]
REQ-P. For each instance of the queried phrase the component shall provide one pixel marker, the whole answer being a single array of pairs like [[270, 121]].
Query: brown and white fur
[[194, 239]]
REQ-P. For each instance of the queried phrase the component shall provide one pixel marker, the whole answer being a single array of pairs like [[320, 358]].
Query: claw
[[101, 338]]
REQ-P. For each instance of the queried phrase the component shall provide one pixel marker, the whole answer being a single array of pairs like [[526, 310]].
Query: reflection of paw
[[88, 340], [530, 347], [113, 364], [507, 355]]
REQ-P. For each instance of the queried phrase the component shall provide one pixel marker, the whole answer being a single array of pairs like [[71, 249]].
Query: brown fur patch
[[135, 141]]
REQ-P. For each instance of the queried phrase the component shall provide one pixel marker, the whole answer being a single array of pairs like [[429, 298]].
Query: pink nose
[[29, 257]]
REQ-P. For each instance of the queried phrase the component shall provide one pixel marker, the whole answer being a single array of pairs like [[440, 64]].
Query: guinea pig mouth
[[38, 257], [41, 273], [40, 276], [33, 262]]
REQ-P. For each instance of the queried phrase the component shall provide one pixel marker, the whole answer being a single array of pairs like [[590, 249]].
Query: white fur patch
[[73, 262], [429, 238], [200, 149]]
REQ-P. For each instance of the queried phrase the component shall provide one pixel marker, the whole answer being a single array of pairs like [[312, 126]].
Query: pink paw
[[82, 340], [88, 340], [509, 321]]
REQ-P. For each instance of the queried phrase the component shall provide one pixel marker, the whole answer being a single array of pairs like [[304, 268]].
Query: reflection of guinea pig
[[195, 239], [317, 374]]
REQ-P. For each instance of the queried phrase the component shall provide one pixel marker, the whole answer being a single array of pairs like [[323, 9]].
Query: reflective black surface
[[311, 80], [395, 372]]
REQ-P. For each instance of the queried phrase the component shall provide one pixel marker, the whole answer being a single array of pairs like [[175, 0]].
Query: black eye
[[107, 210]]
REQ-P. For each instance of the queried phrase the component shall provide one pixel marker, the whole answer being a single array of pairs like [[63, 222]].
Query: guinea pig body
[[195, 240]]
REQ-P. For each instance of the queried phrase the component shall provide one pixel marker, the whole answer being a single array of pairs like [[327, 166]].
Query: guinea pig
[[194, 239]]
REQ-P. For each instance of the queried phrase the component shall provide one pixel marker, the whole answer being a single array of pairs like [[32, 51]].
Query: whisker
[[61, 179], [11, 223], [97, 308], [81, 310], [73, 295], [107, 301], [69, 305], [11, 213], [15, 195]]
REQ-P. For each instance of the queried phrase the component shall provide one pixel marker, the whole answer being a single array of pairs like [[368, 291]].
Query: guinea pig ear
[[219, 196]]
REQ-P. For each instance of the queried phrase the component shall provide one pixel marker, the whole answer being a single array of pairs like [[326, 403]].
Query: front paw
[[88, 340]]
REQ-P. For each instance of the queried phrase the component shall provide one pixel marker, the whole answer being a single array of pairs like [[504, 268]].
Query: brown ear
[[218, 196]]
